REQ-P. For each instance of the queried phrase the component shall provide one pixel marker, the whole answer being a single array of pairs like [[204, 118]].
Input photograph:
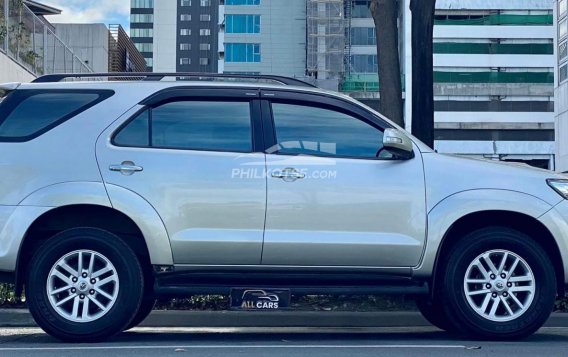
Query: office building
[[262, 37], [176, 36]]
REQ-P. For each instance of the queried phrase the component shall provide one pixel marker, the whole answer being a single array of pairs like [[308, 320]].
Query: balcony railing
[[31, 42]]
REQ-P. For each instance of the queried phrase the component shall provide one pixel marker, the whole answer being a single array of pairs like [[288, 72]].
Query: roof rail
[[151, 76]]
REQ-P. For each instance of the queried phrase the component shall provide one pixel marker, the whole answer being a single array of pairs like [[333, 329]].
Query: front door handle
[[127, 168], [289, 174]]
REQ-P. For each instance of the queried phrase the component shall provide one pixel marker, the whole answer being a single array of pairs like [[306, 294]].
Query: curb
[[159, 318]]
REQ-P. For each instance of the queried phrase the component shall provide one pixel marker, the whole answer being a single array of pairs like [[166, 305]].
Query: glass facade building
[[142, 28]]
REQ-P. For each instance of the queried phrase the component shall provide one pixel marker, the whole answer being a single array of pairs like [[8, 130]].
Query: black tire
[[144, 310], [456, 306], [128, 298], [433, 312]]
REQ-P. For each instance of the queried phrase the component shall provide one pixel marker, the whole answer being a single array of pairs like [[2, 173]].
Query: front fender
[[147, 219], [444, 214]]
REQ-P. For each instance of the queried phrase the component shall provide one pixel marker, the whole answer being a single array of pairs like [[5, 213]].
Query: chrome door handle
[[288, 174], [127, 168]]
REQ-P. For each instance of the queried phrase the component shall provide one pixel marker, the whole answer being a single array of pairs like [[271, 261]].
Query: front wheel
[[499, 284], [83, 285]]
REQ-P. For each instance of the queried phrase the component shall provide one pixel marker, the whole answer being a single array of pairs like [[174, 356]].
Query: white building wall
[[11, 71], [561, 108], [165, 35], [282, 38]]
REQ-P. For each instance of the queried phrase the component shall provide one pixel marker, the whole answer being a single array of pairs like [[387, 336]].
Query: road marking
[[86, 348]]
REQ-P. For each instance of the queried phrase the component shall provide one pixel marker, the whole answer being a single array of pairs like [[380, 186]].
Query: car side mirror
[[398, 144]]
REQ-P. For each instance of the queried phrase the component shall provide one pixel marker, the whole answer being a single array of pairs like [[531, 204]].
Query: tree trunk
[[423, 70], [385, 16]]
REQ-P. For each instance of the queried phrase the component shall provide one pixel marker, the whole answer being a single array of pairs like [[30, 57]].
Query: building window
[[141, 32], [185, 3], [242, 52], [563, 28], [205, 3], [562, 52], [185, 17], [149, 62], [205, 46], [563, 73], [184, 61], [364, 64], [494, 18], [562, 7], [204, 61], [361, 9], [242, 2], [142, 18], [242, 23], [145, 47], [205, 32], [205, 17], [185, 46], [142, 4], [185, 32], [363, 36]]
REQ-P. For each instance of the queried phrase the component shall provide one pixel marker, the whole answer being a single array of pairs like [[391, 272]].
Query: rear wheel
[[84, 284], [501, 284]]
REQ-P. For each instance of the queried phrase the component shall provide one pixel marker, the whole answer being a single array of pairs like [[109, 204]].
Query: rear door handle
[[289, 174], [127, 168]]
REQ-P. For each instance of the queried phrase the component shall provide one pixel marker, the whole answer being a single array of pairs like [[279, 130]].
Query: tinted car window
[[27, 114], [192, 125], [316, 131], [136, 133]]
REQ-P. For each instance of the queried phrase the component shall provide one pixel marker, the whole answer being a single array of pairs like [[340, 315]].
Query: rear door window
[[26, 114], [191, 125]]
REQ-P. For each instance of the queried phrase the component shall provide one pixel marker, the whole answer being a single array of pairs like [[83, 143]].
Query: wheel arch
[[467, 211], [514, 220], [71, 216]]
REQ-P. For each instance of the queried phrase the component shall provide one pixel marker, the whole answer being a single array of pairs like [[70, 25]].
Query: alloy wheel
[[499, 285], [82, 286]]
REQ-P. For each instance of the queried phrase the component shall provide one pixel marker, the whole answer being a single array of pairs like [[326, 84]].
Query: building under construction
[[326, 24]]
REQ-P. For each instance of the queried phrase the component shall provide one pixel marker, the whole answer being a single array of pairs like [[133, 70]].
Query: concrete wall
[[11, 71], [88, 41], [282, 38], [165, 35]]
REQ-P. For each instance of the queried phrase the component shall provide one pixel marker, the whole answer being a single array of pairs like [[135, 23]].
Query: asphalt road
[[283, 342]]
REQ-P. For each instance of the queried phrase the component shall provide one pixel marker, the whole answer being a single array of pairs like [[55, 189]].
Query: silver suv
[[117, 192]]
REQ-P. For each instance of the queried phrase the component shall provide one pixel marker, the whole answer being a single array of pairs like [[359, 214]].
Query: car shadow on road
[[177, 336]]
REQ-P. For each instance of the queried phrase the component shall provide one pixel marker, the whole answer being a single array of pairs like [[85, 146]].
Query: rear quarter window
[[27, 114]]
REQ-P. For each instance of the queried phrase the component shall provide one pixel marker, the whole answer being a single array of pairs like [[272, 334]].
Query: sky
[[91, 11]]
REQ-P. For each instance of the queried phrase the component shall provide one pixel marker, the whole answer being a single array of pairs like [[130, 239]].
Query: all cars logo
[[259, 300]]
